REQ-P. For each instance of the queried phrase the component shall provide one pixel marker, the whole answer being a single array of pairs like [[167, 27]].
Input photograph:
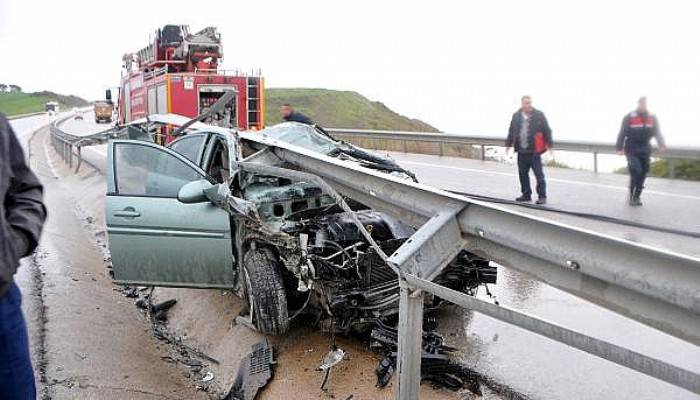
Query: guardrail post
[[595, 162], [80, 159], [442, 148], [671, 168], [404, 146], [410, 346], [70, 155], [483, 153]]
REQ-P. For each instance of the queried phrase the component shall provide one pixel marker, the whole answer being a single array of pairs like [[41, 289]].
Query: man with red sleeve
[[530, 135], [638, 127]]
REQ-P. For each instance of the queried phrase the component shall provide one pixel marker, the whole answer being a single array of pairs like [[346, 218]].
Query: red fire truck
[[179, 73]]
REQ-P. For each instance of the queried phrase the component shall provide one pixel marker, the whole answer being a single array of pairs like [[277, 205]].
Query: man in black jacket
[[638, 127], [530, 135], [22, 216], [288, 114]]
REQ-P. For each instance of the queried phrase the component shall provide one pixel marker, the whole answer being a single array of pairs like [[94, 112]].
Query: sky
[[458, 65]]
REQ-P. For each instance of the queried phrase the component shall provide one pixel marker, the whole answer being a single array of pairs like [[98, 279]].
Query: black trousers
[[527, 162], [638, 167]]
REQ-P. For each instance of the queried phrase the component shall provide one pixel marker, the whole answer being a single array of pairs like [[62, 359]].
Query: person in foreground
[[638, 127], [289, 115], [21, 220], [530, 135]]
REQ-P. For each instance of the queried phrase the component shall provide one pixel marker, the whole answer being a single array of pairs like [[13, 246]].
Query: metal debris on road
[[436, 365]]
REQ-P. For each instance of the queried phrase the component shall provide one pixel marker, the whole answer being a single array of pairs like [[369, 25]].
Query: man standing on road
[[288, 114], [530, 135], [22, 216], [638, 127]]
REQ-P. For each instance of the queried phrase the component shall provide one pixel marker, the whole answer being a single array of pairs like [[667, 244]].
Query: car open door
[[154, 238]]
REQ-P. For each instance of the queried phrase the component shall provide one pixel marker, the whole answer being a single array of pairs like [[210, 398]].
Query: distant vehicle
[[51, 107], [77, 115], [103, 111]]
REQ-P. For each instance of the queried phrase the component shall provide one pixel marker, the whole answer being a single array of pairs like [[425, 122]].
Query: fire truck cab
[[179, 73]]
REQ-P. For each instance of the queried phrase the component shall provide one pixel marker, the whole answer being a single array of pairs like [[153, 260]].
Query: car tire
[[265, 292]]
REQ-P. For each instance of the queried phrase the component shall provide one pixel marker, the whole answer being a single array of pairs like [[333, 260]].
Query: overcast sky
[[458, 65]]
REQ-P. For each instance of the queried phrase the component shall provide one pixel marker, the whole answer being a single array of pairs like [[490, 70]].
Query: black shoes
[[524, 198], [635, 194]]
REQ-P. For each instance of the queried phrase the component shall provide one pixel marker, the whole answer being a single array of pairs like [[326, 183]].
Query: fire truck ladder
[[254, 117]]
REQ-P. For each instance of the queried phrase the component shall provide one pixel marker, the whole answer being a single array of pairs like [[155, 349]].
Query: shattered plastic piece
[[129, 292], [333, 357], [209, 376], [142, 304], [164, 306], [254, 372], [384, 371], [436, 365]]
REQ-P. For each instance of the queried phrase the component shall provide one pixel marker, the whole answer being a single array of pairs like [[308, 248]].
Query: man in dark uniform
[[638, 127], [22, 216], [530, 135], [288, 114]]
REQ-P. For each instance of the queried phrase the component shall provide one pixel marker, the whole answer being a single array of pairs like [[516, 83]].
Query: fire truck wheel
[[266, 296]]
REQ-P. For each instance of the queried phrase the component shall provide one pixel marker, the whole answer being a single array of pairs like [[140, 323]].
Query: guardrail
[[408, 142], [69, 146], [653, 286], [63, 142]]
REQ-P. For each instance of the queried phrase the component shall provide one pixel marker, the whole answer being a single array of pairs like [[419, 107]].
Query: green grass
[[684, 169], [339, 109], [23, 103]]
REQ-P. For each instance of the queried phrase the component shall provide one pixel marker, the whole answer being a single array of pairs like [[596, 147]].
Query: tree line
[[5, 88]]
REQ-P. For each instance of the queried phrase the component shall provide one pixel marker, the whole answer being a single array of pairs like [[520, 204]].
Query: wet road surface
[[535, 365]]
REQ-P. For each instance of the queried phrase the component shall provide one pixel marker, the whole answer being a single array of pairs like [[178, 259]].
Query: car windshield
[[301, 135]]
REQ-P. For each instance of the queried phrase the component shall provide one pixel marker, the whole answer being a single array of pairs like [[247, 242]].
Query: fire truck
[[178, 72]]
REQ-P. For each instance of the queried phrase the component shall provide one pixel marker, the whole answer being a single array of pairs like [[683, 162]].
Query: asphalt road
[[87, 341], [531, 364]]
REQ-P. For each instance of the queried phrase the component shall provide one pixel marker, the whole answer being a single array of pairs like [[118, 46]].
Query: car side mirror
[[193, 192], [218, 194]]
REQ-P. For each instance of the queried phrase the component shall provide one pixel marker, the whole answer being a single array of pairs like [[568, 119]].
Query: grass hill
[[339, 109], [23, 103]]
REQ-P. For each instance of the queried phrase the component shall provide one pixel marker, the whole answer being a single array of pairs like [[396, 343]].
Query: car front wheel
[[266, 296]]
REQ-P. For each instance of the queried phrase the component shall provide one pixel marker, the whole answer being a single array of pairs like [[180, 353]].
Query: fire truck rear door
[[154, 238]]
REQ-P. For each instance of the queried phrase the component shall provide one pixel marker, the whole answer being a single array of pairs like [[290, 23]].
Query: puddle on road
[[541, 368]]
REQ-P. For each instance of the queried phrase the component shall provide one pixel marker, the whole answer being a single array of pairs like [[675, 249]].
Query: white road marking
[[483, 171]]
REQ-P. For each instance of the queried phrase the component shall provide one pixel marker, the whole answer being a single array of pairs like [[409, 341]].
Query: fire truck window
[[219, 167], [189, 146], [147, 171]]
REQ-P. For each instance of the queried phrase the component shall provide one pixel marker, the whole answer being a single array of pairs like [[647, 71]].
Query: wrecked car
[[215, 208]]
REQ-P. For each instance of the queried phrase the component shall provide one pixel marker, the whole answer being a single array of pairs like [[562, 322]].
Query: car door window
[[189, 146], [150, 171]]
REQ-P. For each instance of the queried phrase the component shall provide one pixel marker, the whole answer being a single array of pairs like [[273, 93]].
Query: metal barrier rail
[[63, 143], [653, 286], [595, 148]]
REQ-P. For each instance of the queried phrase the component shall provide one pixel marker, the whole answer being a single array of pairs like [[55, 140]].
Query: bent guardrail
[[409, 142], [653, 286]]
